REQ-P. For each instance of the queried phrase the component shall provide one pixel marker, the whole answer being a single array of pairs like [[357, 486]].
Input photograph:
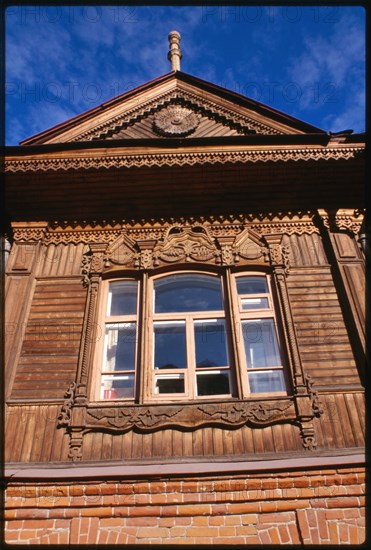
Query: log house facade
[[120, 220]]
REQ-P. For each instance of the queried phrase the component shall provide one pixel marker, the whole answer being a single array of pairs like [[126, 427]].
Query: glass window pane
[[266, 381], [188, 292], [122, 299], [254, 303], [117, 387], [170, 345], [211, 347], [171, 383], [120, 347], [260, 343], [252, 285], [213, 383]]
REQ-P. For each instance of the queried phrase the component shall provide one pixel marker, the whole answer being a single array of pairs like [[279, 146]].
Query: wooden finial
[[174, 55]]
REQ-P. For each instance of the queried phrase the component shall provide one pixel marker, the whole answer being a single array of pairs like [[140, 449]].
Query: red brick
[[10, 514], [96, 512], [253, 484], [112, 537], [142, 521], [178, 531], [157, 487], [250, 519], [322, 524], [76, 490], [233, 520], [218, 509], [334, 537], [300, 483], [174, 487], [269, 484], [294, 534], [14, 525], [27, 534], [125, 489], [227, 531], [202, 531], [217, 520], [200, 520], [145, 511], [103, 536], [275, 518], [108, 489], [169, 511], [292, 504], [343, 502], [246, 530], [152, 533], [143, 488], [196, 510], [244, 508], [303, 524], [273, 533], [284, 534], [183, 521], [264, 537], [268, 506], [11, 535]]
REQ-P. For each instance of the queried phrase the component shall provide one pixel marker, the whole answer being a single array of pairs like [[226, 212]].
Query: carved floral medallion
[[175, 120]]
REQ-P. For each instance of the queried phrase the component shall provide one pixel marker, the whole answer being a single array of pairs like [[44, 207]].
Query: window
[[189, 345], [119, 363], [196, 340], [258, 342]]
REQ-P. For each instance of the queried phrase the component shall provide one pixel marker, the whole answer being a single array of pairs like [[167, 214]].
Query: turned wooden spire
[[174, 55]]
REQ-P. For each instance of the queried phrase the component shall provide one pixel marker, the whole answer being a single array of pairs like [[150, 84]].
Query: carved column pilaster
[[228, 253], [145, 259]]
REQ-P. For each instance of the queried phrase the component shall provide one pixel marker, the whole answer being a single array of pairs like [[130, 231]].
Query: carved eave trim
[[124, 159], [130, 238]]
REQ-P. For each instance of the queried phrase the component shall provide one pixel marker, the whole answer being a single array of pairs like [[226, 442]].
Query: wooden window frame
[[100, 350], [240, 315], [233, 316]]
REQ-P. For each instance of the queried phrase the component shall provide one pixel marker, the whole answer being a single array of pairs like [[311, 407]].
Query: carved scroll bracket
[[342, 219], [278, 254], [32, 232]]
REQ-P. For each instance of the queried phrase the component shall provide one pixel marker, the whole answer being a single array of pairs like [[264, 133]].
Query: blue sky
[[306, 61]]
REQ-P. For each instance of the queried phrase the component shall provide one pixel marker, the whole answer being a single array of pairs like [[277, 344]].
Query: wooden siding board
[[49, 432], [323, 339]]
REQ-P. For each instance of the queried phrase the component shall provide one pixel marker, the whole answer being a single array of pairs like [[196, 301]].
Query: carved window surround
[[200, 245]]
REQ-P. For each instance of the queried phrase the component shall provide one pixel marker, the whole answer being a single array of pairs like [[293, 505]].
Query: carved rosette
[[175, 121]]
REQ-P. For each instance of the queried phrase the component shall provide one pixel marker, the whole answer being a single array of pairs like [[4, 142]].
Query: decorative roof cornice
[[125, 159]]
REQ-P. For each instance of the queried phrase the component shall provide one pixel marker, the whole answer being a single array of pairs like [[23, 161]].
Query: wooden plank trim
[[184, 468]]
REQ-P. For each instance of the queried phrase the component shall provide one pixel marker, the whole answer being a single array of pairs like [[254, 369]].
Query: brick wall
[[310, 507]]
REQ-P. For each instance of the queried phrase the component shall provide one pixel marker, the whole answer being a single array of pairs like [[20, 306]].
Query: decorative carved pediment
[[122, 251], [186, 244]]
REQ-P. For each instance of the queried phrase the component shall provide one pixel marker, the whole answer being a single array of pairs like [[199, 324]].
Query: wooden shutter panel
[[49, 354]]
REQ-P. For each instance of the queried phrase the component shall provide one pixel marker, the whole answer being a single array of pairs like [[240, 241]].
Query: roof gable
[[174, 105]]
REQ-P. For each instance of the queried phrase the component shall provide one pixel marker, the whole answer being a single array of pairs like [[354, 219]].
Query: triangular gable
[[174, 105]]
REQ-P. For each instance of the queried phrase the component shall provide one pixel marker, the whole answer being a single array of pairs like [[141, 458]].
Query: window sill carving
[[81, 418]]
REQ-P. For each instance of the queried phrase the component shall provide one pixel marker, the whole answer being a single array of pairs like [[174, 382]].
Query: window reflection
[[188, 292]]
